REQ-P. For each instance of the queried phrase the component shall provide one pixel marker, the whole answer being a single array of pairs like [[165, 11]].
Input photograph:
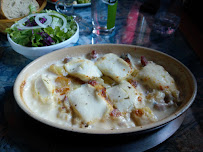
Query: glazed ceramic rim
[[137, 129]]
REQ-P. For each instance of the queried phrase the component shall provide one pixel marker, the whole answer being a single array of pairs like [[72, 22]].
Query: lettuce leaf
[[44, 36]]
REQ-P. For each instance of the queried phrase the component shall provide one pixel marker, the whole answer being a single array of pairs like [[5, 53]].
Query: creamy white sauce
[[50, 111]]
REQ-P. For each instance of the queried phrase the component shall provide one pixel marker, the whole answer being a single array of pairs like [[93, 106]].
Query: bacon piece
[[103, 92], [93, 54], [62, 91], [128, 61], [139, 112], [126, 58], [139, 98], [92, 82], [161, 88], [144, 61], [133, 83], [115, 113], [67, 59]]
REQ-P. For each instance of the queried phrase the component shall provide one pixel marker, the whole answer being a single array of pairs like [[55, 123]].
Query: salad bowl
[[32, 41], [35, 52]]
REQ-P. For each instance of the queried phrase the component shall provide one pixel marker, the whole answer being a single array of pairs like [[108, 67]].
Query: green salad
[[42, 29]]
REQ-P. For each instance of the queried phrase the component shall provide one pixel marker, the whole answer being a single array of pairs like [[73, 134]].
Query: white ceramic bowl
[[184, 78], [35, 52]]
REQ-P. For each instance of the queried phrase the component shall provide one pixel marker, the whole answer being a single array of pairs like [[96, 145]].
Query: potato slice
[[62, 85], [44, 88], [59, 70]]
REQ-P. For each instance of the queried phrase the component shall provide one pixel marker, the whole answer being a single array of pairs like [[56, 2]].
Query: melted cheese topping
[[114, 67], [125, 97], [101, 93], [88, 103], [83, 69]]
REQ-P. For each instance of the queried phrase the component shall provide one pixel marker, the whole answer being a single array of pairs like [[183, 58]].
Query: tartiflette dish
[[101, 91]]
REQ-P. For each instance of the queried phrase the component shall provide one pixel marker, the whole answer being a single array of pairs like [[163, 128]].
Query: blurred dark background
[[190, 13]]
